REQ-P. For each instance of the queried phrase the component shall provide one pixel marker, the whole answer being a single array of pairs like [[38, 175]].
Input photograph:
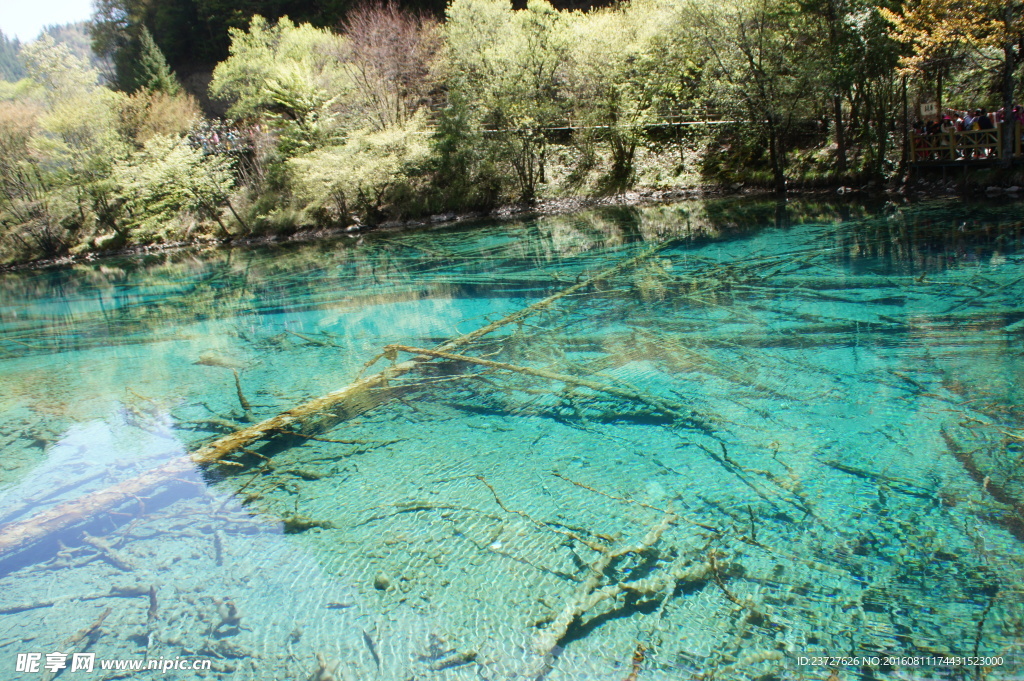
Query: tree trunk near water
[[837, 105], [775, 154], [242, 222], [905, 155], [1009, 119]]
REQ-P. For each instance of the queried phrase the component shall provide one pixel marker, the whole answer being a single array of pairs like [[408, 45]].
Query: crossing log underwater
[[313, 416], [667, 406]]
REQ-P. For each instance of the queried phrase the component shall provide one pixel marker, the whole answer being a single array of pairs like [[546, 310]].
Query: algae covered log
[[592, 591]]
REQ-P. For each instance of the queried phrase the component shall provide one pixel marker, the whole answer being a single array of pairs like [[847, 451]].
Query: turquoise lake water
[[767, 433]]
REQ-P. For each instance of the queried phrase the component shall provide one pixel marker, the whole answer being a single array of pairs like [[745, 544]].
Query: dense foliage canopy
[[337, 113]]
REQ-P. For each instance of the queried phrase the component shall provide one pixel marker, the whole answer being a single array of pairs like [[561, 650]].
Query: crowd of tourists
[[215, 137], [932, 139]]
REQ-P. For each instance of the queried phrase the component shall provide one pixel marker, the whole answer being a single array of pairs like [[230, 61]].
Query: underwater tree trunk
[[670, 407]]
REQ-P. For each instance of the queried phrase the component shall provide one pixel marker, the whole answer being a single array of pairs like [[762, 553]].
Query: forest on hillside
[[206, 119]]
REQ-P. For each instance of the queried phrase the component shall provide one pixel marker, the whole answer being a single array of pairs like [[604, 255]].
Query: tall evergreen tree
[[138, 62], [152, 71], [11, 68]]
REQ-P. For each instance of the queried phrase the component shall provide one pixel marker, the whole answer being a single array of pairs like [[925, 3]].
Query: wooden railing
[[967, 145]]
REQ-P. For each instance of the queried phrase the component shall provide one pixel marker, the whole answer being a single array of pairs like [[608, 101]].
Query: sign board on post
[[930, 109]]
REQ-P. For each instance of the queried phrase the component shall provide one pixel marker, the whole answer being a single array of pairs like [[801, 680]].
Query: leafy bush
[[167, 180], [149, 113], [56, 173], [370, 177], [291, 74]]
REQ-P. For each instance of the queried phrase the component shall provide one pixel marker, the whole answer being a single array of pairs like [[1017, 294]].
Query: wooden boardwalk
[[970, 147]]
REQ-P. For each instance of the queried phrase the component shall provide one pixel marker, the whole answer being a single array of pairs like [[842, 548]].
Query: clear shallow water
[[811, 437]]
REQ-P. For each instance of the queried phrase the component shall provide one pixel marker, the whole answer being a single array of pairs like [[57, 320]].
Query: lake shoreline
[[544, 207], [557, 206]]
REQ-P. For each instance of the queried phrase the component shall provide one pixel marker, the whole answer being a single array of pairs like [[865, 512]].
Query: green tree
[[939, 31], [77, 134], [762, 68], [372, 175], [859, 83], [76, 36], [74, 141], [632, 66], [138, 62], [25, 211], [290, 73], [152, 72], [183, 37], [511, 66], [115, 29], [168, 179]]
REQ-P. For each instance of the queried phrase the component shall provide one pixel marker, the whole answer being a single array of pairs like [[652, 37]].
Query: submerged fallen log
[[357, 398], [670, 407], [1013, 519], [342, 404]]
